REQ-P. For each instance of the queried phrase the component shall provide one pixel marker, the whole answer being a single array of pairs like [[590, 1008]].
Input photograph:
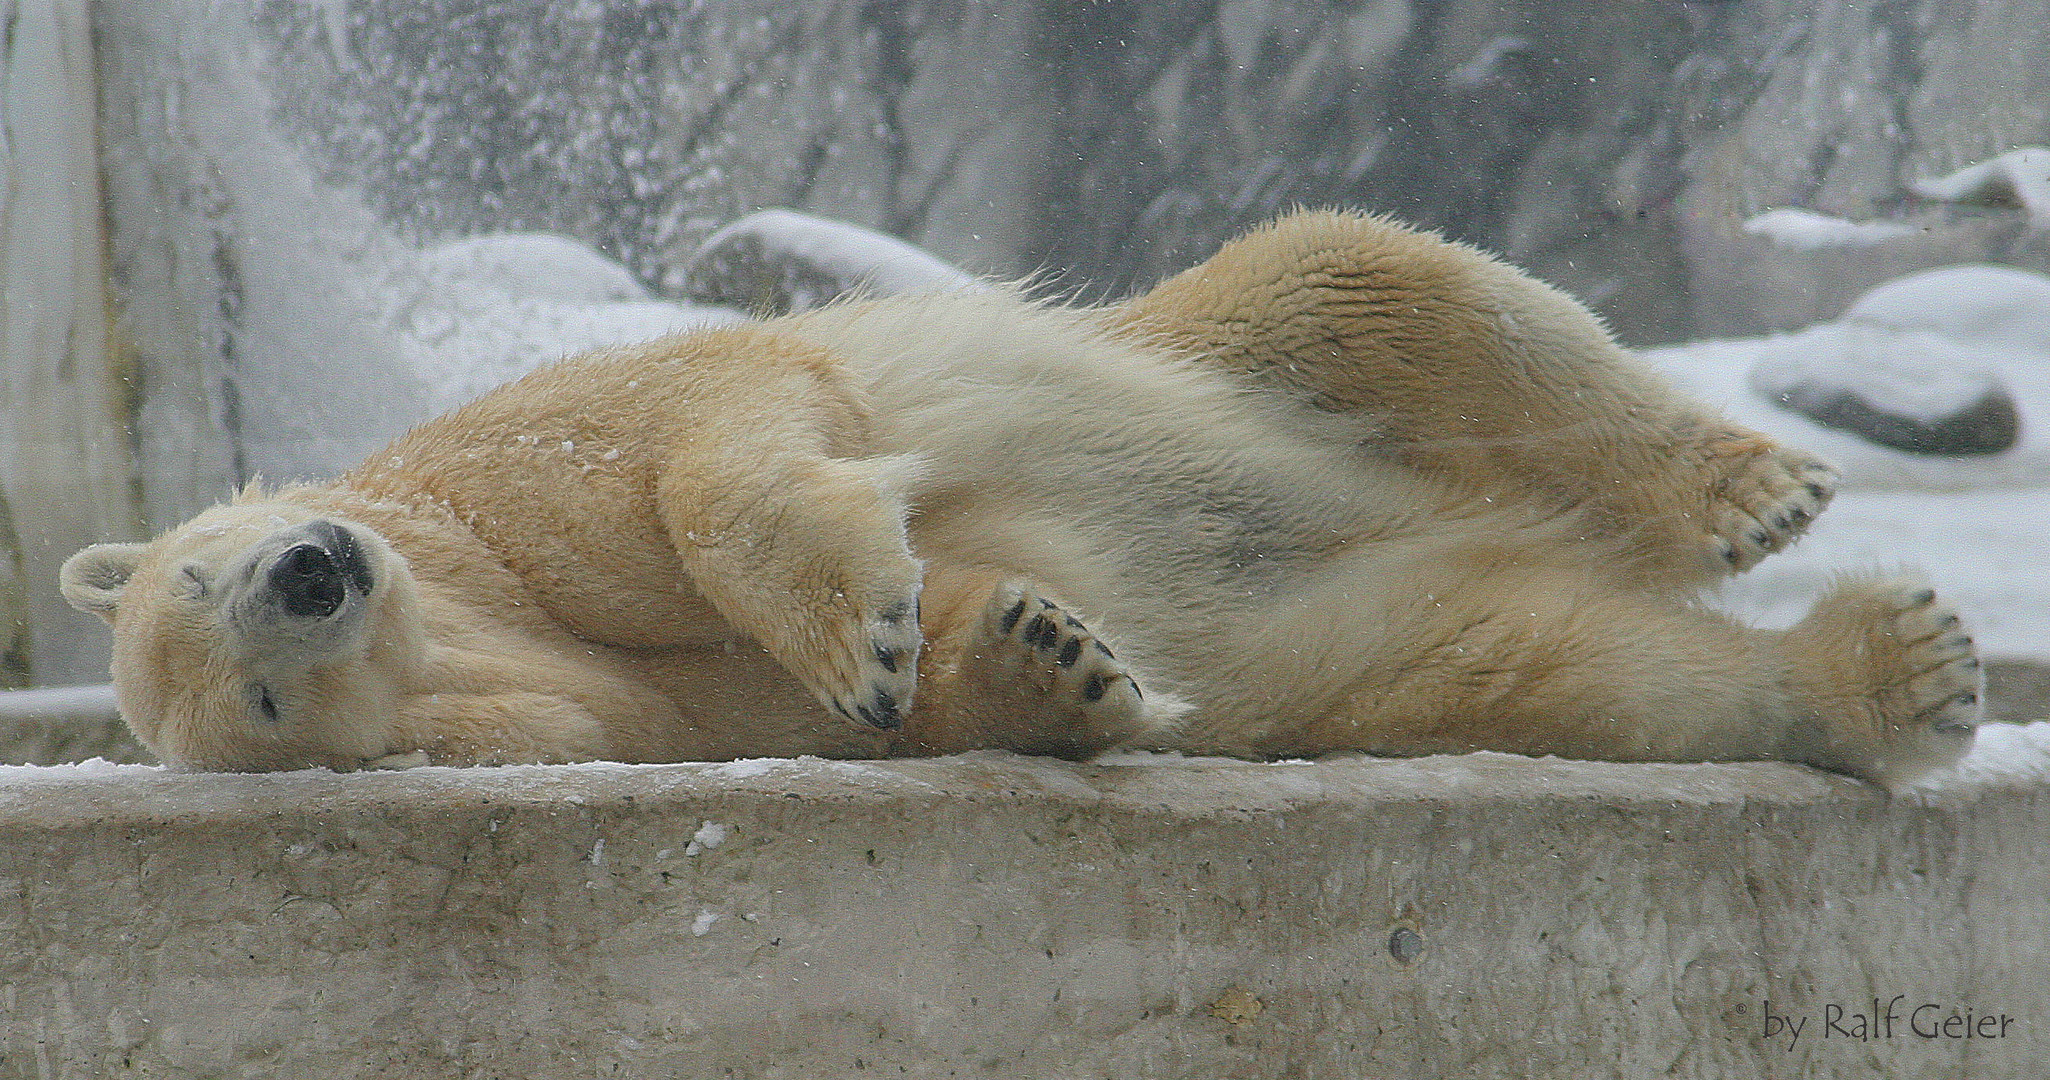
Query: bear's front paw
[[1762, 496], [884, 671]]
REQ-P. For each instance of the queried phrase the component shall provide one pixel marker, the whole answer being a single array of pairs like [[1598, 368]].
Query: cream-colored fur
[[1345, 486]]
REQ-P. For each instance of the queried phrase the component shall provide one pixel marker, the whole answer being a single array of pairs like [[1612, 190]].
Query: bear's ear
[[94, 579]]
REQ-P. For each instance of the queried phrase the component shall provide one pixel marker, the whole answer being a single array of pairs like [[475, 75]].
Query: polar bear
[[1346, 486]]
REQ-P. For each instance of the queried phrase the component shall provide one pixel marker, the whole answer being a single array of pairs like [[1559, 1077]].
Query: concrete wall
[[1480, 917]]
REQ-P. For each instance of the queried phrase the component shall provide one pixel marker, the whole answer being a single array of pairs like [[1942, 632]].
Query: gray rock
[[1616, 149]]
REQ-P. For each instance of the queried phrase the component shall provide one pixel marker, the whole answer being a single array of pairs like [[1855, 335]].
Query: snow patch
[[1997, 306], [749, 768], [1806, 230], [70, 772], [708, 838], [2002, 755]]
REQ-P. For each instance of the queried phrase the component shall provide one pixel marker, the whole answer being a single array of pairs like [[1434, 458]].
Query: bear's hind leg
[[1464, 367], [1018, 672], [1542, 660], [1880, 681]]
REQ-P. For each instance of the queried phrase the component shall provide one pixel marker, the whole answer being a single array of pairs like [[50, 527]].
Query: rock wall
[[66, 475], [1484, 918], [1616, 148]]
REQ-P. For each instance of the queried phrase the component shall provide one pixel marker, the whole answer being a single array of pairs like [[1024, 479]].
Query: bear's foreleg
[[793, 532]]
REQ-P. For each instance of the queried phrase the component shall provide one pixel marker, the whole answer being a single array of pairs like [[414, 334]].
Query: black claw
[[1925, 596], [1817, 491], [887, 658], [1012, 616], [1105, 650], [1070, 652], [1074, 622], [899, 611]]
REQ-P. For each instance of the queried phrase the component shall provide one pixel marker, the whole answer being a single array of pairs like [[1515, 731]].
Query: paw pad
[[1048, 650]]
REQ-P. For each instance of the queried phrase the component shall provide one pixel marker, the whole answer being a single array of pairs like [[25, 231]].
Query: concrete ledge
[[1481, 916]]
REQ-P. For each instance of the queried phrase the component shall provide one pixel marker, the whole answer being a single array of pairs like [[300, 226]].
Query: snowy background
[[258, 238]]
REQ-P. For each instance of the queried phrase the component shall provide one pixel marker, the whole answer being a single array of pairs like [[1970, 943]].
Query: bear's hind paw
[[1896, 679], [1079, 697], [1944, 679]]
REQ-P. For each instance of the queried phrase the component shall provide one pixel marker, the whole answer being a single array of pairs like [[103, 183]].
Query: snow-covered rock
[[779, 261], [2017, 177], [1927, 345], [1908, 390], [1996, 306], [470, 314]]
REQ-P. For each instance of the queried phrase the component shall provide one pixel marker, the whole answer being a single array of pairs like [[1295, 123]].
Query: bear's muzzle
[[311, 579]]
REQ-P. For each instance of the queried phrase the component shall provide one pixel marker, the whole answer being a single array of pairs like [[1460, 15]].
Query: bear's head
[[257, 636]]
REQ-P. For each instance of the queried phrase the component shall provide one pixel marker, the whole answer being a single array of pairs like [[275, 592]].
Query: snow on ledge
[[2005, 756]]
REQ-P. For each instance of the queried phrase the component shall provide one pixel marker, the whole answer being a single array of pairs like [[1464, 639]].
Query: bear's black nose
[[309, 581]]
